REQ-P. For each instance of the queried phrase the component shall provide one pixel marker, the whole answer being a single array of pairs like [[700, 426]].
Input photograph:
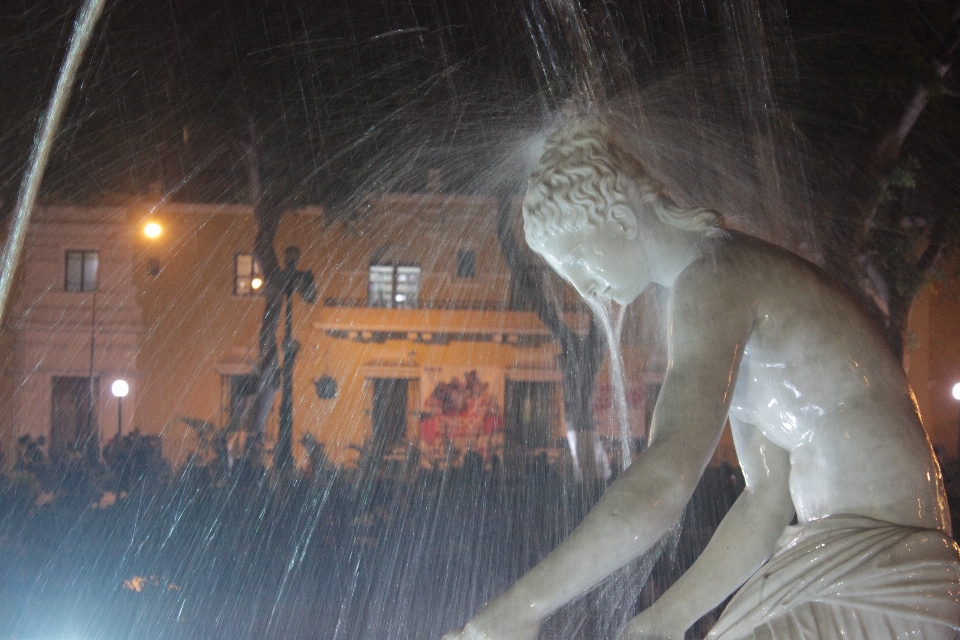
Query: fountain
[[824, 422]]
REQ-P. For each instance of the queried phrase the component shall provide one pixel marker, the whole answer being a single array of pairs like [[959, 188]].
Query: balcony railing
[[439, 325], [452, 305]]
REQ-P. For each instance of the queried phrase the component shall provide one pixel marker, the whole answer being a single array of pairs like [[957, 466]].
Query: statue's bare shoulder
[[817, 379]]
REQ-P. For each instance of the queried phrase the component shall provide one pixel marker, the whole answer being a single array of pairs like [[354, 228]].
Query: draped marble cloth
[[850, 577]]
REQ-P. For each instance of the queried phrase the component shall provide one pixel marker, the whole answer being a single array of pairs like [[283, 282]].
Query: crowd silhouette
[[389, 549]]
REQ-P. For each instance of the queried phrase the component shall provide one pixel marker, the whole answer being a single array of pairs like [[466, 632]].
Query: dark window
[[466, 264], [391, 287], [80, 273], [248, 277]]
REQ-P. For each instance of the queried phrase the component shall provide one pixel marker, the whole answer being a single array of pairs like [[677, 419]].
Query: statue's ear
[[626, 219]]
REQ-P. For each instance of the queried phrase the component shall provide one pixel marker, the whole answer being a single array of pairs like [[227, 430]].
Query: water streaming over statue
[[611, 316]]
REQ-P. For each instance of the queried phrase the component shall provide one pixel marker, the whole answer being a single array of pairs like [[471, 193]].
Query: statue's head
[[586, 192]]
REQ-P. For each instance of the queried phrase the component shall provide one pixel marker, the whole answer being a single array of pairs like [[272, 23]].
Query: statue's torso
[[818, 381]]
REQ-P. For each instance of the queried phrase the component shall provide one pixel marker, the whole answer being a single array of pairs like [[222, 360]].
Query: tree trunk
[[268, 212], [901, 301], [580, 356], [854, 217], [267, 366], [897, 318]]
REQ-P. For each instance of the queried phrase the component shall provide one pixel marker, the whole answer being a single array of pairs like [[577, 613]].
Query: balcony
[[439, 325]]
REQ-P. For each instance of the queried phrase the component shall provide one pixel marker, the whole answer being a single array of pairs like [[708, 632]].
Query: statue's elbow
[[659, 497]]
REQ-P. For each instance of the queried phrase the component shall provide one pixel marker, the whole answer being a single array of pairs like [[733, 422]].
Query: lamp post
[[120, 389], [301, 282], [92, 445]]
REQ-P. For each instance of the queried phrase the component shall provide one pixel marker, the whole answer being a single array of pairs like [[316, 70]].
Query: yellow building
[[417, 338]]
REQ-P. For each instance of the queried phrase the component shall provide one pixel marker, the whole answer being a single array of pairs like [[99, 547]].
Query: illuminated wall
[[932, 361], [166, 318]]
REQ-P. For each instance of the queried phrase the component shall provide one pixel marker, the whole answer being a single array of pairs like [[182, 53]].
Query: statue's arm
[[745, 539], [708, 328]]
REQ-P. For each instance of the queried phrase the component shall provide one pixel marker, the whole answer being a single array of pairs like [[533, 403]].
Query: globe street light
[[120, 389]]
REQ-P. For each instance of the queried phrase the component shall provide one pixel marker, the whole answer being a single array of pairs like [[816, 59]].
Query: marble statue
[[824, 422]]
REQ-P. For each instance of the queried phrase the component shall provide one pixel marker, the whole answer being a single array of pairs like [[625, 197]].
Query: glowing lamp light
[[956, 391], [256, 283], [120, 388], [152, 230]]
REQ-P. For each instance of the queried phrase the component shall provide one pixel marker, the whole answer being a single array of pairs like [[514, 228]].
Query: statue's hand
[[499, 620], [648, 627]]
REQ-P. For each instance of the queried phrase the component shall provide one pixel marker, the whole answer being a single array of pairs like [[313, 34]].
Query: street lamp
[[120, 389], [152, 229]]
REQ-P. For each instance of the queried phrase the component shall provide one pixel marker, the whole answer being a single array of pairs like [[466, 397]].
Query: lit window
[[380, 286], [466, 264], [81, 271], [393, 287], [248, 277]]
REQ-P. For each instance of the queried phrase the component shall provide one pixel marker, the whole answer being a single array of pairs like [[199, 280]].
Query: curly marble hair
[[583, 177]]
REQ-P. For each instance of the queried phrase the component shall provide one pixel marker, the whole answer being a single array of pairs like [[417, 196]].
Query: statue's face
[[602, 261]]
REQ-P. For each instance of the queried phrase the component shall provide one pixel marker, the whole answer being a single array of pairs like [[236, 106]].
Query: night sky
[[338, 95]]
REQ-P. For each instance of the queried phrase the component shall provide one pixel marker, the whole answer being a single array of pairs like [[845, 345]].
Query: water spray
[[611, 315], [49, 124]]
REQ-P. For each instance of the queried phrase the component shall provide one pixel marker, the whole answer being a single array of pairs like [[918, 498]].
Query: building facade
[[75, 313], [418, 342]]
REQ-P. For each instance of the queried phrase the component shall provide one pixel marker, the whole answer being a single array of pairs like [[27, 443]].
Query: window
[[81, 271], [406, 292], [393, 287], [380, 286], [466, 264], [248, 278]]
